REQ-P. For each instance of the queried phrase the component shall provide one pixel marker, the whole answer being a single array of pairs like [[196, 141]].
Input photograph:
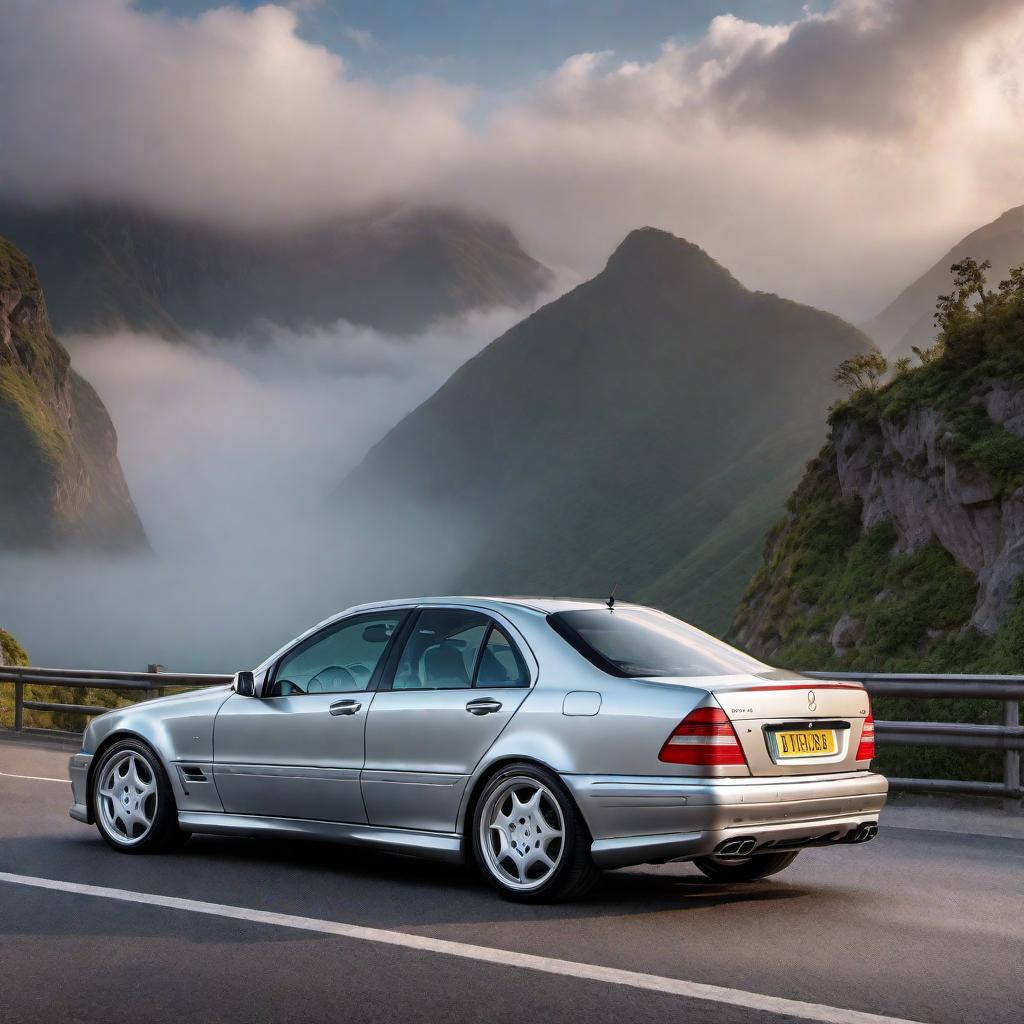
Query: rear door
[[794, 726], [447, 695]]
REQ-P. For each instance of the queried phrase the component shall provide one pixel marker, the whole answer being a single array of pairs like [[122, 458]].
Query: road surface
[[919, 925]]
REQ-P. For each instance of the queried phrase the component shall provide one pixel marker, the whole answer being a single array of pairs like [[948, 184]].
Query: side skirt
[[436, 845]]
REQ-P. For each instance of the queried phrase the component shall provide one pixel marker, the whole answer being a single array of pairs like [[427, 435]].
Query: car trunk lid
[[789, 725]]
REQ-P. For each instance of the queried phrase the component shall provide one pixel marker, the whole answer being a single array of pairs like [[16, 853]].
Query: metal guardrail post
[[161, 691], [1011, 766], [19, 704]]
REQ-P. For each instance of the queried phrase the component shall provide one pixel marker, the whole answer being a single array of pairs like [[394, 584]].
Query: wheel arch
[[478, 783], [105, 744]]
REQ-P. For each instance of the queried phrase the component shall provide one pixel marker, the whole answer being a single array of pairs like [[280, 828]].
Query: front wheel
[[729, 869], [529, 838], [132, 800]]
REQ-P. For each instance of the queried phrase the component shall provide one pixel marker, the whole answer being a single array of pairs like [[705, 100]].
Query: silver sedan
[[542, 739]]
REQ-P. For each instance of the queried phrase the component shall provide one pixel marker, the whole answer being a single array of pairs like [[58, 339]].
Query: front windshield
[[643, 642]]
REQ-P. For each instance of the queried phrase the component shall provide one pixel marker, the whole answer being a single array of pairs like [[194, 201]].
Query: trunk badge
[[812, 704]]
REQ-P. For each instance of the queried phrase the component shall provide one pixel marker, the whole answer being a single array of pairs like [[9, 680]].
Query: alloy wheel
[[522, 833], [126, 798]]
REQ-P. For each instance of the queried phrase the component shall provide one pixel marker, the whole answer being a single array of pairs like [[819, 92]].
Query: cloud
[[228, 115], [828, 159]]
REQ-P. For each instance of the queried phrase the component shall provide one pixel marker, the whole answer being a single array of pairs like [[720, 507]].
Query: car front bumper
[[639, 820], [78, 769]]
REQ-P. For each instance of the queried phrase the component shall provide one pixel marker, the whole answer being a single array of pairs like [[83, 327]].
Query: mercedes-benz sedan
[[541, 739]]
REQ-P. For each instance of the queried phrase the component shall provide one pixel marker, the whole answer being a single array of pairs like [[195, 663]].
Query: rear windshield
[[639, 642]]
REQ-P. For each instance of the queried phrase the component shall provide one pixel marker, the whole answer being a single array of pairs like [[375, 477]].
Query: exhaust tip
[[741, 847], [865, 833]]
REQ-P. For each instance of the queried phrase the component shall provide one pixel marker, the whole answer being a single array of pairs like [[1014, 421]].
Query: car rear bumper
[[638, 820], [78, 769]]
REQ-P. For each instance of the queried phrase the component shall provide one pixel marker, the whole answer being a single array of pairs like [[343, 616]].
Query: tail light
[[866, 747], [706, 737]]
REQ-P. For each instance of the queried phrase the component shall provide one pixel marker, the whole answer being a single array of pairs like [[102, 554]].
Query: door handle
[[344, 707], [483, 706]]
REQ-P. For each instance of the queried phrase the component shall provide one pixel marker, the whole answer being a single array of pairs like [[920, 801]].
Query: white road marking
[[501, 957], [35, 778]]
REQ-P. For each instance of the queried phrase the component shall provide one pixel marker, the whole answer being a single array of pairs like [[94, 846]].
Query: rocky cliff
[[60, 480], [903, 546]]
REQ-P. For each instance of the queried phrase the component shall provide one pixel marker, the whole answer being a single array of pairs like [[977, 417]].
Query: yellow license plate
[[805, 743]]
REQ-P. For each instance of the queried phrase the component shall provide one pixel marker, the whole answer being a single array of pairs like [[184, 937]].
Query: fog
[[231, 448]]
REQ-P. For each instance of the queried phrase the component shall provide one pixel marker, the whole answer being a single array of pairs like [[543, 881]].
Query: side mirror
[[244, 684]]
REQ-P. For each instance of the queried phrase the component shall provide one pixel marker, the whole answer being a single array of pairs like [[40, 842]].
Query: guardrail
[[150, 683], [1008, 737]]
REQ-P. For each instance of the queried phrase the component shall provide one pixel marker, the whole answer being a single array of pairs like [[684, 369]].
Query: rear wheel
[[749, 869], [132, 800], [529, 838]]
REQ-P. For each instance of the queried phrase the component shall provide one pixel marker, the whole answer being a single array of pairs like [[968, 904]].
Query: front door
[[297, 751], [456, 683]]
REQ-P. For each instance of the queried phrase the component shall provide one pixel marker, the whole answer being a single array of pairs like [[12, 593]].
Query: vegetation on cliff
[[58, 451], [901, 547]]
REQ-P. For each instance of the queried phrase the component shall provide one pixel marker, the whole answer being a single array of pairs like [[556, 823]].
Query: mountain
[[641, 431], [908, 320], [396, 268], [59, 474], [903, 546]]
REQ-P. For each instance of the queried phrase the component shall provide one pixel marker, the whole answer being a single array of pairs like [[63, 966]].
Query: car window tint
[[343, 659], [441, 650], [642, 642], [500, 663]]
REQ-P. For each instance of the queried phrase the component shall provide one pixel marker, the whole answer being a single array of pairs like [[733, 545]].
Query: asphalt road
[[919, 925]]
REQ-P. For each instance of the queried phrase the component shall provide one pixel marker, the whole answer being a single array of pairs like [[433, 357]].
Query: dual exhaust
[[744, 846]]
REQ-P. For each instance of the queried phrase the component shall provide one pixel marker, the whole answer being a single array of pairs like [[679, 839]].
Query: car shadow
[[449, 894], [366, 887]]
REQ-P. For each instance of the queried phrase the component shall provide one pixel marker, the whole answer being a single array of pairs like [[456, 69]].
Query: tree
[[1013, 286], [862, 372], [968, 282]]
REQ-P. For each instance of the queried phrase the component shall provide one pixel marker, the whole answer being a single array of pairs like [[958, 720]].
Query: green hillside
[[908, 320], [396, 268], [641, 431]]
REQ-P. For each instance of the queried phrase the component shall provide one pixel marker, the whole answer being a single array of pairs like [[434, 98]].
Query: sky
[[828, 152], [496, 44]]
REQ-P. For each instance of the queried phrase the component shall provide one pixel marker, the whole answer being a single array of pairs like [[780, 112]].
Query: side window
[[338, 660], [441, 651], [500, 663]]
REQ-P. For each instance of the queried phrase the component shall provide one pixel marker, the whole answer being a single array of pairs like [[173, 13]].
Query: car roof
[[547, 605]]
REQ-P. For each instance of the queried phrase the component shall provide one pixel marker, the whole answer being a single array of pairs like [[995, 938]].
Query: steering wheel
[[330, 679]]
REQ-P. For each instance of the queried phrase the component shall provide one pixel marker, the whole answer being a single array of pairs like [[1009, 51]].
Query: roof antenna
[[611, 597]]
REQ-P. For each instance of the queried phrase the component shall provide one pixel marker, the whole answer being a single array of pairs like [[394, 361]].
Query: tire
[[132, 800], [546, 819], [759, 866]]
